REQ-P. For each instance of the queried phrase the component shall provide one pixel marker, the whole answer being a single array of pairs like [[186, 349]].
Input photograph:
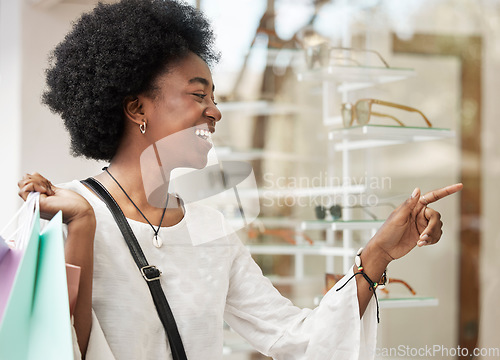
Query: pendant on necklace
[[157, 241]]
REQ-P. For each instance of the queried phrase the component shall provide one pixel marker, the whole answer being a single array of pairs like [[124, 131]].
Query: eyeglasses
[[336, 210], [332, 279], [286, 234], [326, 55], [361, 111], [397, 281]]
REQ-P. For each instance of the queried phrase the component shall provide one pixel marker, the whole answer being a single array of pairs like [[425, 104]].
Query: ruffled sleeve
[[277, 328]]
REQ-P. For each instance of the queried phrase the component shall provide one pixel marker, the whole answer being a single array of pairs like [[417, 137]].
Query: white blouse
[[209, 277]]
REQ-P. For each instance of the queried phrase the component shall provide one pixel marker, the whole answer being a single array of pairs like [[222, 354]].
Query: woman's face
[[183, 115]]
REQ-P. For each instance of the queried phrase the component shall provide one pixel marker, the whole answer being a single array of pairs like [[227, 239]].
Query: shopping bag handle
[[27, 210]]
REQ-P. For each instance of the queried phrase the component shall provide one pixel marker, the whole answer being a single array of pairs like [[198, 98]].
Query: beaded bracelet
[[373, 285]]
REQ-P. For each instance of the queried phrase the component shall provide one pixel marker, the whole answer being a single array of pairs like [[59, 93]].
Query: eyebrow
[[202, 81]]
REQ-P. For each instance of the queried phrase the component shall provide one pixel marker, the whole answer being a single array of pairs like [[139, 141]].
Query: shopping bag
[[73, 277], [12, 246], [9, 263], [36, 323]]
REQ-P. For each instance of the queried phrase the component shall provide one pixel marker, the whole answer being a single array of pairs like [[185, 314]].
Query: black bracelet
[[372, 287]]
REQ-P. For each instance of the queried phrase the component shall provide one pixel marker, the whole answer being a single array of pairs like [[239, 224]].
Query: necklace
[[157, 241]]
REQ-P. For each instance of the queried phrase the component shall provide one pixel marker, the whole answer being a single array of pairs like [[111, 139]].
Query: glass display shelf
[[227, 153], [407, 302], [399, 302], [319, 248], [277, 222], [292, 192], [356, 77], [341, 224], [262, 108], [369, 136], [281, 57]]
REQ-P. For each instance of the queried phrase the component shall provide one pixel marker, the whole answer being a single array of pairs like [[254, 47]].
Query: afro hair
[[118, 50]]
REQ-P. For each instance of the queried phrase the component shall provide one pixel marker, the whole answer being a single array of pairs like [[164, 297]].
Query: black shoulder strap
[[150, 273]]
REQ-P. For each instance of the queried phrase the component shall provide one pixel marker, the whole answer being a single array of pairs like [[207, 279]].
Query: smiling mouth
[[203, 134]]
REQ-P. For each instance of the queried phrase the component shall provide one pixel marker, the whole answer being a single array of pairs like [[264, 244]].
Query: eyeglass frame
[[399, 281], [334, 210], [321, 53], [352, 108], [337, 210], [286, 234]]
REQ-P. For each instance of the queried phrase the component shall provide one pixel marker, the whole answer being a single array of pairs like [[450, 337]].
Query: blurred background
[[287, 67]]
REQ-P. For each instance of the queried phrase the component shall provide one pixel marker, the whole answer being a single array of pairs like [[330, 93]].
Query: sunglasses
[[336, 210], [326, 55], [288, 235], [397, 281], [332, 279], [361, 112]]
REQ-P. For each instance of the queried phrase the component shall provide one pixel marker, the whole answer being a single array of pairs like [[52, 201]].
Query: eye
[[201, 96]]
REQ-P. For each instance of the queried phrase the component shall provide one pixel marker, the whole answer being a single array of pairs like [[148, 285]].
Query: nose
[[213, 112]]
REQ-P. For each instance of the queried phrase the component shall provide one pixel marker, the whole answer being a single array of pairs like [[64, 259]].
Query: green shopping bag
[[36, 322]]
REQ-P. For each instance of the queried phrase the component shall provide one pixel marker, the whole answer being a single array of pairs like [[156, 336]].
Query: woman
[[134, 76]]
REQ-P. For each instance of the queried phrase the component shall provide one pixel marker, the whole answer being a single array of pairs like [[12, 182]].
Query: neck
[[168, 218], [141, 170], [148, 192]]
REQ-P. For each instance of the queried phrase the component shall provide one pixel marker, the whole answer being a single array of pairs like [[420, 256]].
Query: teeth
[[204, 134]]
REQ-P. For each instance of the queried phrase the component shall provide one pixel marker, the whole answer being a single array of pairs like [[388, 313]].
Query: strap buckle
[[150, 273]]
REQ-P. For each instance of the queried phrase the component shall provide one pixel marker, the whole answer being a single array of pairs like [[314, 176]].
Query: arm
[[78, 214], [271, 323], [411, 224], [79, 250]]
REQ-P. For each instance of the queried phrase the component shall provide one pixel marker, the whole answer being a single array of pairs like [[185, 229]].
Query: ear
[[133, 109]]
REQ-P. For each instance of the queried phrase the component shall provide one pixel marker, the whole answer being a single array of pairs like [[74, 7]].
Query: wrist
[[378, 252], [374, 262], [371, 265]]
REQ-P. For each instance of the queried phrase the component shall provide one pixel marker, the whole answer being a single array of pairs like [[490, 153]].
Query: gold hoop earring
[[142, 127]]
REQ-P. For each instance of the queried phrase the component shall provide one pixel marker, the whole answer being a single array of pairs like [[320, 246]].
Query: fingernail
[[424, 240], [414, 193]]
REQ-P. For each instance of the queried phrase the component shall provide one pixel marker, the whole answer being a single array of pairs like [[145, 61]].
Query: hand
[[412, 224], [53, 199]]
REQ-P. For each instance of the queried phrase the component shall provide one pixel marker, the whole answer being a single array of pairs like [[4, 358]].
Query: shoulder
[[74, 185], [79, 188]]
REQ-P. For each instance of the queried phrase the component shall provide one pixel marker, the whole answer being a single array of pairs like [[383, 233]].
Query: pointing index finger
[[435, 195]]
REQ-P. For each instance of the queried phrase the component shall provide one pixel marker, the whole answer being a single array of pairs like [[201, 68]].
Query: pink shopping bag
[[9, 263]]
